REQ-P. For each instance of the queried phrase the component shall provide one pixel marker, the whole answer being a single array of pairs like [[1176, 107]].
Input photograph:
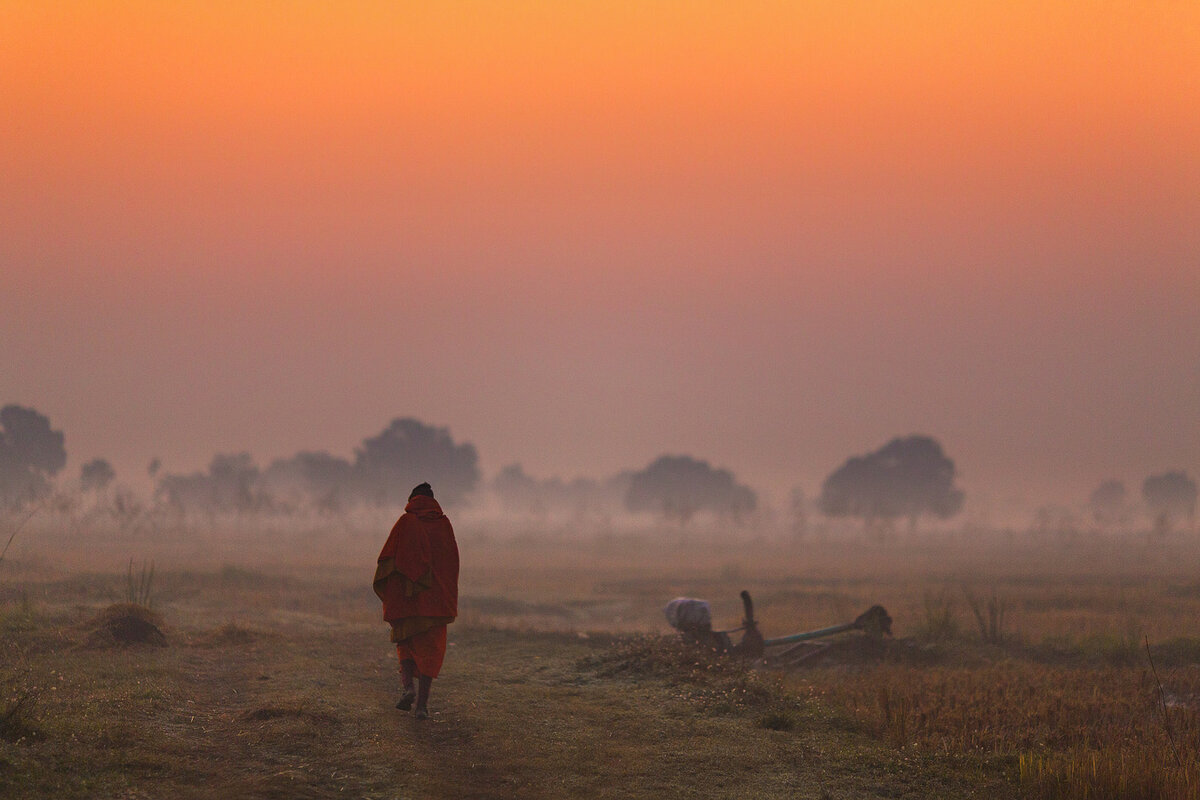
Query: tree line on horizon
[[906, 479]]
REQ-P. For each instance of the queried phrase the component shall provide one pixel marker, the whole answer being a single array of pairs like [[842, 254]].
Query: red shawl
[[417, 573]]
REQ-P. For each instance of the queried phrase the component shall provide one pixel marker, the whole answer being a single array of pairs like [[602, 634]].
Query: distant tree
[[1108, 502], [191, 492], [126, 506], [318, 479], [30, 454], [678, 487], [96, 475], [409, 452], [521, 494], [613, 491], [906, 478], [230, 484], [1170, 495], [233, 478]]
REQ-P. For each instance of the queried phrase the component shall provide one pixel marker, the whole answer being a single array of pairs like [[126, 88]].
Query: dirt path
[[293, 715], [303, 707], [310, 714], [301, 714]]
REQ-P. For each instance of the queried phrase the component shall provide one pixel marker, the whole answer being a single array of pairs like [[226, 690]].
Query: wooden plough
[[693, 619]]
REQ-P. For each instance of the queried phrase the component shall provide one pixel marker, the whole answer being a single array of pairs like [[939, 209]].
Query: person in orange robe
[[416, 577]]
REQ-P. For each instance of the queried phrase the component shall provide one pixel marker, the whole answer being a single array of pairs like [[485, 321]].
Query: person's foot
[[406, 700], [421, 713]]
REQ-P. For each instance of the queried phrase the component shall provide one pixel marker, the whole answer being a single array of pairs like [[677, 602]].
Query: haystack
[[123, 625]]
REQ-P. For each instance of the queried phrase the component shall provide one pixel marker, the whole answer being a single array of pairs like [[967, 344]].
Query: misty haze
[[595, 400]]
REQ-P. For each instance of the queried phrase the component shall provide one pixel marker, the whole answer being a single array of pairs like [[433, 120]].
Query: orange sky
[[582, 234]]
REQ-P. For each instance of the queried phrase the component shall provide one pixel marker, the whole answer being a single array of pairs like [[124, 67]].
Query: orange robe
[[417, 579]]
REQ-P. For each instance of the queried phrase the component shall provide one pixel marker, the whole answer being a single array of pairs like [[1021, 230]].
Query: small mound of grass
[[660, 656], [712, 683], [124, 625], [268, 713]]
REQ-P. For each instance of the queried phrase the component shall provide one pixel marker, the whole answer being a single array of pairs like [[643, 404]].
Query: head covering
[[421, 488]]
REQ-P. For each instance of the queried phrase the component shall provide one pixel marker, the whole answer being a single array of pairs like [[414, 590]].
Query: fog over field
[[581, 238], [841, 303]]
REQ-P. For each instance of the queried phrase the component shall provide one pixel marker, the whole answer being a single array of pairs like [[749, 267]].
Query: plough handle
[[751, 644], [748, 608]]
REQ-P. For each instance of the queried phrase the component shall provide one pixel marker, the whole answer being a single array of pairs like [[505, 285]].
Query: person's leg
[[408, 669], [424, 685], [427, 651]]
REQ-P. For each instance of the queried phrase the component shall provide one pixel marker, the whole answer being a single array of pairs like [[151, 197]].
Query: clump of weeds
[[18, 706]]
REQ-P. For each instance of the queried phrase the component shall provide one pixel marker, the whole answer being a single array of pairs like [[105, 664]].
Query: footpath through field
[[302, 714], [300, 705]]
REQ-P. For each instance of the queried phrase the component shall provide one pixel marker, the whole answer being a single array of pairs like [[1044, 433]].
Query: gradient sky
[[768, 234]]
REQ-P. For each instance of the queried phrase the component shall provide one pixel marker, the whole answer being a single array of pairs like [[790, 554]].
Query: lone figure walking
[[417, 580]]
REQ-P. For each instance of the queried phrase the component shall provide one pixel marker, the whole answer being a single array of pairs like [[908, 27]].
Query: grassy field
[[1020, 668]]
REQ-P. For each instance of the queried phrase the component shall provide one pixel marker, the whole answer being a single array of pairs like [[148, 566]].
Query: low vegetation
[[274, 679]]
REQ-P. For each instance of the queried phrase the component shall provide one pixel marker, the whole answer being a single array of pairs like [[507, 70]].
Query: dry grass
[[124, 625], [231, 634], [307, 713], [19, 697], [279, 682]]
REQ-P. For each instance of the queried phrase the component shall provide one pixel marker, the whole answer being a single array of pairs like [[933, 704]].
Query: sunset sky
[[582, 234]]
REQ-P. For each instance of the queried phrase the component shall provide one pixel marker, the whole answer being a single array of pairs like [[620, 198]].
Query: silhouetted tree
[[680, 486], [323, 480], [1107, 503], [96, 475], [233, 477], [521, 494], [30, 454], [907, 477], [1170, 495], [229, 485], [408, 452]]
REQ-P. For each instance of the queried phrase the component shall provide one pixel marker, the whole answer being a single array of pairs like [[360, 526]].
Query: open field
[[277, 679]]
